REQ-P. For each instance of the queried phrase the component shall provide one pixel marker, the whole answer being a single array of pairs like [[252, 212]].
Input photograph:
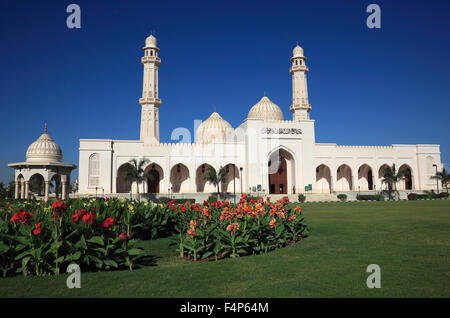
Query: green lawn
[[409, 240]]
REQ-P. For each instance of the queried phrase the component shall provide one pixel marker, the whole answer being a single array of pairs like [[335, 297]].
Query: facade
[[42, 166], [265, 154]]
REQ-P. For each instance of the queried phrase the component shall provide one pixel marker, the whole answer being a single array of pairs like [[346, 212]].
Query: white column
[[63, 190], [16, 190], [22, 189], [47, 186], [27, 188]]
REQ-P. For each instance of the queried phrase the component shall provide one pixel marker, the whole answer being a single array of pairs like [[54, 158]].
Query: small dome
[[214, 129], [297, 52], [151, 41], [44, 149], [265, 109]]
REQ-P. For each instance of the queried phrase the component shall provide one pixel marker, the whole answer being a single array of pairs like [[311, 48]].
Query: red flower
[[77, 215], [183, 209], [22, 217], [38, 229], [123, 237], [252, 201], [106, 224], [89, 218]]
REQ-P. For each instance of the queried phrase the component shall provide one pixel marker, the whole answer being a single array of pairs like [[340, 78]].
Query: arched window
[[94, 170]]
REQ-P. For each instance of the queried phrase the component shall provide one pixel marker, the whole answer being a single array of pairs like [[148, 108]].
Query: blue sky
[[366, 86]]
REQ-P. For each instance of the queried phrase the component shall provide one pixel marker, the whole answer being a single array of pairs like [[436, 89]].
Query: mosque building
[[266, 153]]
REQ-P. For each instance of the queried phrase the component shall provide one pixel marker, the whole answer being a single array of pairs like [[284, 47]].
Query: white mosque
[[266, 153]]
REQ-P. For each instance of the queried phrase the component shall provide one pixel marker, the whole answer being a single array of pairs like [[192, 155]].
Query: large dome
[[44, 150], [266, 110], [214, 129]]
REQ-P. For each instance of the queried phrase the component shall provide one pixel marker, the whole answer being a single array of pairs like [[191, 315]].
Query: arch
[[179, 178], [55, 185], [344, 178], [232, 174], [381, 175], [201, 184], [407, 182], [37, 184], [122, 184], [323, 179], [281, 171], [365, 178], [94, 170], [156, 176]]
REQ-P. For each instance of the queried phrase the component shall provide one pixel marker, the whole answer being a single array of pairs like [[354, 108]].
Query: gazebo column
[[16, 190], [47, 186], [64, 190], [22, 189], [27, 188]]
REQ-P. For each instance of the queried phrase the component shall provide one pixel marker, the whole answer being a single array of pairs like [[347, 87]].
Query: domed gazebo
[[43, 158]]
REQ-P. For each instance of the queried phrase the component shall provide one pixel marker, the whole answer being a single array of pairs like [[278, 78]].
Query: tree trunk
[[395, 192], [137, 192]]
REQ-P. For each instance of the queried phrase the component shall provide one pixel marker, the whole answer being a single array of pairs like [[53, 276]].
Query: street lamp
[[437, 180], [234, 183], [241, 178]]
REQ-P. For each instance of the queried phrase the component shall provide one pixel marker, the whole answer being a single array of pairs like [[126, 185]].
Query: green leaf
[[136, 251], [97, 240], [110, 262], [82, 243], [3, 247]]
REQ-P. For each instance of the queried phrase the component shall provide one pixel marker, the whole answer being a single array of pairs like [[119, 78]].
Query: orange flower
[[233, 227], [281, 215], [298, 209], [191, 232], [193, 224], [272, 223]]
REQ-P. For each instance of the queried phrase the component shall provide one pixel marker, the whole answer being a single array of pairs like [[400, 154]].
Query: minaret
[[150, 102], [300, 107]]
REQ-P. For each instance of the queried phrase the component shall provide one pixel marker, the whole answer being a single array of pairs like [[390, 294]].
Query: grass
[[409, 240]]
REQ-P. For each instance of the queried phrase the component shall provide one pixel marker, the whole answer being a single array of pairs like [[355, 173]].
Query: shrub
[[342, 197], [443, 195], [220, 230], [166, 200], [212, 198], [301, 198], [412, 196], [370, 197], [38, 238]]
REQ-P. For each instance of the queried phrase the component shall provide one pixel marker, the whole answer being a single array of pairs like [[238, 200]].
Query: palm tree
[[215, 178], [443, 176], [391, 176], [135, 173]]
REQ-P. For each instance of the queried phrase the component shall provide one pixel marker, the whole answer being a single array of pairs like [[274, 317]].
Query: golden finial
[[45, 128]]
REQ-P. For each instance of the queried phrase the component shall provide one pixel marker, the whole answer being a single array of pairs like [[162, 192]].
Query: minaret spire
[[300, 106], [45, 128], [150, 101]]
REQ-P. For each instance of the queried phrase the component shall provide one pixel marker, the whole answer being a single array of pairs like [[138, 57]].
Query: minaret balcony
[[149, 100], [151, 59], [295, 107], [298, 68]]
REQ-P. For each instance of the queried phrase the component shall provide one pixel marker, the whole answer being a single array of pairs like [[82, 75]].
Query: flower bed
[[220, 230], [38, 238]]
